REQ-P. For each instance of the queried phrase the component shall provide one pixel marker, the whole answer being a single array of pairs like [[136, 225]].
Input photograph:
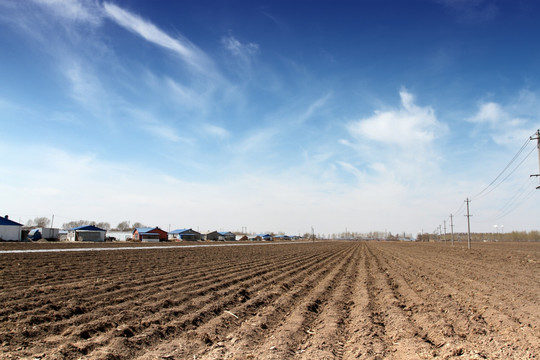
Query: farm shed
[[184, 234], [265, 237], [220, 236], [148, 234], [120, 235], [10, 230], [241, 237], [86, 233], [44, 233]]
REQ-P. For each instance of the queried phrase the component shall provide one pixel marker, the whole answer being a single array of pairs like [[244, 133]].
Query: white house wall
[[10, 233]]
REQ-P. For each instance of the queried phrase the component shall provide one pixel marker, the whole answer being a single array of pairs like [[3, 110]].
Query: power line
[[505, 178], [515, 202], [505, 168]]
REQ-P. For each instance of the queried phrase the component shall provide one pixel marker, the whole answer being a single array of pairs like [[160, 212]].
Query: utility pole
[[452, 228], [444, 237], [52, 221], [468, 224], [537, 138]]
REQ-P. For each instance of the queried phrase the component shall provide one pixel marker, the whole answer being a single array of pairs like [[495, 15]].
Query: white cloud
[[74, 10], [314, 107], [490, 113], [243, 51], [409, 126], [85, 87], [150, 124], [508, 123], [351, 169], [215, 131], [148, 31]]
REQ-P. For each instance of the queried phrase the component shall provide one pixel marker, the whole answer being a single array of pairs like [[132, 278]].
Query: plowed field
[[328, 300]]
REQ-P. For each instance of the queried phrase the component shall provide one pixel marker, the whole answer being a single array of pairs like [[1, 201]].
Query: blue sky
[[275, 116]]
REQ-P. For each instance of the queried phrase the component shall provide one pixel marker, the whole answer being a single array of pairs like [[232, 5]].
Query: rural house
[[150, 234], [86, 233], [10, 230], [220, 236], [265, 237], [184, 234]]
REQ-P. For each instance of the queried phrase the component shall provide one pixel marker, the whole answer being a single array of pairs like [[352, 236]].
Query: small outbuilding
[[150, 234], [44, 233], [184, 234], [10, 230], [86, 233], [265, 237], [220, 236]]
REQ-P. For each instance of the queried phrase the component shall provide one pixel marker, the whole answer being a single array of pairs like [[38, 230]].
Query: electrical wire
[[524, 196], [505, 168], [507, 176]]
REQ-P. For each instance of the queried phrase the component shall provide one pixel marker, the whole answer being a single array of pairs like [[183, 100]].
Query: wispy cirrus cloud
[[150, 32], [245, 51], [74, 10], [153, 125], [314, 107], [215, 131]]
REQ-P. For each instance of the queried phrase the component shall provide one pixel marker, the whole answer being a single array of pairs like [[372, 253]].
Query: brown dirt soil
[[328, 300]]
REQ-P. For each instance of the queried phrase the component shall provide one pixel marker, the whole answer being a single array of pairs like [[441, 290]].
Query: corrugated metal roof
[[144, 229], [88, 228], [179, 231], [7, 222]]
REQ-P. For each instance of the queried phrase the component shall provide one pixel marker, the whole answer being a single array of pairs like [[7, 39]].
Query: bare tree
[[38, 222], [74, 224], [123, 226], [104, 225]]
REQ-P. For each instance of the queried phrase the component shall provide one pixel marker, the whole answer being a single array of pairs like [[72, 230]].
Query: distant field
[[327, 300]]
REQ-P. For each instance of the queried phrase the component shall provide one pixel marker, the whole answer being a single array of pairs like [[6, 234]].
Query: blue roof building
[[86, 233], [9, 230], [184, 234]]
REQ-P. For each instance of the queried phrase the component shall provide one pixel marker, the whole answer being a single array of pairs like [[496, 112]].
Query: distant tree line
[[122, 226], [533, 235]]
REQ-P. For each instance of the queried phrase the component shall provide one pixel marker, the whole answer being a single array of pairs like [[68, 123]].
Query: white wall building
[[10, 230]]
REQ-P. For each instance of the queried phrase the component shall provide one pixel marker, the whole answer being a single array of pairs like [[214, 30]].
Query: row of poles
[[467, 201]]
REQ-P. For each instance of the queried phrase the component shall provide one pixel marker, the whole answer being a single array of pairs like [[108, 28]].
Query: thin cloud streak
[[74, 10], [148, 31]]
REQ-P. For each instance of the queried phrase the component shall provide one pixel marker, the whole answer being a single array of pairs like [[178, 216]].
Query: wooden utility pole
[[444, 237], [468, 224], [452, 229]]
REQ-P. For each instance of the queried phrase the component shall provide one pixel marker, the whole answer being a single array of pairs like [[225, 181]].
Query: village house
[[10, 230], [185, 234], [86, 233], [220, 236], [149, 234]]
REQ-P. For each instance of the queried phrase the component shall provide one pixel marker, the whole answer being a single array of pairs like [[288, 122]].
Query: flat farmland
[[323, 300]]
